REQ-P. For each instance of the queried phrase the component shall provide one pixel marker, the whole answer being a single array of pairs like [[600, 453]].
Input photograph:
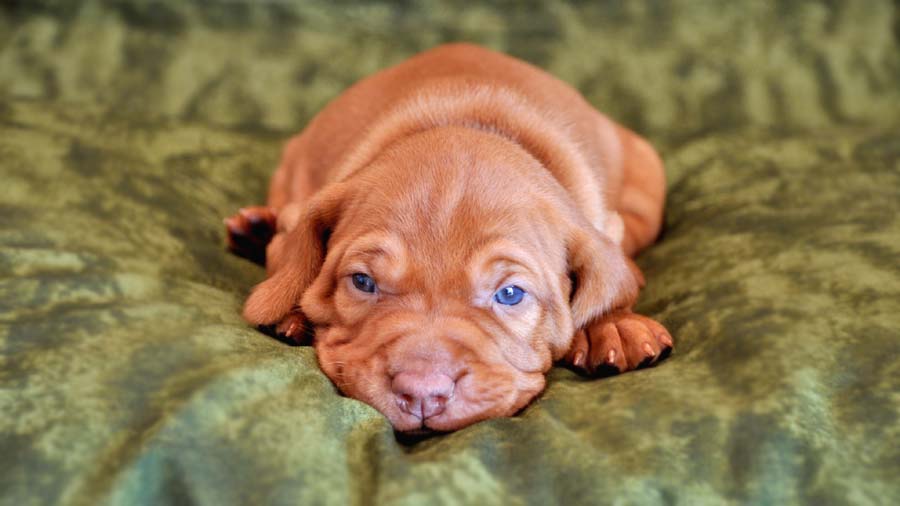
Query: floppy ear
[[601, 277], [301, 257]]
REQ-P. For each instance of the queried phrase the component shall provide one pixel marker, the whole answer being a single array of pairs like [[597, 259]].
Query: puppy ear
[[301, 255], [601, 277]]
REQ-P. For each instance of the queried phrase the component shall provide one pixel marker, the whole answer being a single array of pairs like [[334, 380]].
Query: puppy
[[449, 228]]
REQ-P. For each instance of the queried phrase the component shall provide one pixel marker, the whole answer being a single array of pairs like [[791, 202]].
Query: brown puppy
[[452, 226]]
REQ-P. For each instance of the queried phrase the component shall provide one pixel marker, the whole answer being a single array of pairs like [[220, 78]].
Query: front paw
[[294, 329], [618, 342]]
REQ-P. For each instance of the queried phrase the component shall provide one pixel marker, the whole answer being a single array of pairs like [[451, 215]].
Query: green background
[[128, 130]]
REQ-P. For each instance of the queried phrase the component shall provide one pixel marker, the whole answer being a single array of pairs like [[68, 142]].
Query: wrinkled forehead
[[446, 208], [430, 212], [447, 204]]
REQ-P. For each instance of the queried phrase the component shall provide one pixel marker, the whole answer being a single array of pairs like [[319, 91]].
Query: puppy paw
[[618, 342], [249, 232], [293, 329]]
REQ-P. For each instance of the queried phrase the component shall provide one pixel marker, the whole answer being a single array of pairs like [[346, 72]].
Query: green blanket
[[128, 130]]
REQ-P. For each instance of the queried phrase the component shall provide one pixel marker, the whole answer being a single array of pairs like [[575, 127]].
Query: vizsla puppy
[[449, 228]]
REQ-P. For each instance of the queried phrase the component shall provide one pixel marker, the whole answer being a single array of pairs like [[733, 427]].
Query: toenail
[[579, 359], [665, 339]]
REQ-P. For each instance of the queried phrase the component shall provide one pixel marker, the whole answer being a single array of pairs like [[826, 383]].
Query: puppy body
[[470, 86], [444, 179]]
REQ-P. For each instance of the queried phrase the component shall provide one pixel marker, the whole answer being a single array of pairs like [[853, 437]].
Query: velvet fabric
[[128, 130]]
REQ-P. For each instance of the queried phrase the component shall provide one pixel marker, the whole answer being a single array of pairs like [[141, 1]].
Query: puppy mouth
[[414, 426]]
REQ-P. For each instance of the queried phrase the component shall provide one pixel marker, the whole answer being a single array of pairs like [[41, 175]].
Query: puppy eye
[[363, 282], [509, 295]]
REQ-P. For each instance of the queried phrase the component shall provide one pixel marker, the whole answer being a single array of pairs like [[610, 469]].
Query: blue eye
[[509, 295], [363, 282]]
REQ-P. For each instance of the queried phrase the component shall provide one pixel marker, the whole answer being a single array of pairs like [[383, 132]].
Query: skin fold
[[404, 208]]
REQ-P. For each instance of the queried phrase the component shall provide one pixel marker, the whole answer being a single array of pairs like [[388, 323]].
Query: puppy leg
[[643, 192], [620, 340], [249, 232]]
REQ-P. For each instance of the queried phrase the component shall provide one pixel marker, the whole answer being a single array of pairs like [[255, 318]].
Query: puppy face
[[441, 277]]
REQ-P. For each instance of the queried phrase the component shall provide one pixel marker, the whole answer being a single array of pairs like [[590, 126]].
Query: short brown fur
[[445, 178]]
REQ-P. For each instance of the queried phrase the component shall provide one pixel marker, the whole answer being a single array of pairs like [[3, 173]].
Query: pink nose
[[422, 395]]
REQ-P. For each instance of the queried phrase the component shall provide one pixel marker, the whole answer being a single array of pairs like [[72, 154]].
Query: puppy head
[[444, 279]]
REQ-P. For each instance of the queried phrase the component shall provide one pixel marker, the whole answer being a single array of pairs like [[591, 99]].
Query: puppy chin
[[447, 422]]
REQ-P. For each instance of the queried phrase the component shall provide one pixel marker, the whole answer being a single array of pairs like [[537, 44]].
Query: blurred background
[[129, 129], [672, 70]]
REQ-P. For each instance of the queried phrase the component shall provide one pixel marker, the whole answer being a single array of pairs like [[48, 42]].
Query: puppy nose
[[422, 394]]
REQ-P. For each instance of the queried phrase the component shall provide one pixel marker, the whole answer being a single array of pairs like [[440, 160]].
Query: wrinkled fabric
[[128, 130]]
